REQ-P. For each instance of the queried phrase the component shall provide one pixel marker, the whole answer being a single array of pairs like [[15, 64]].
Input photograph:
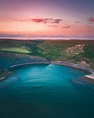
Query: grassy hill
[[13, 46], [62, 50]]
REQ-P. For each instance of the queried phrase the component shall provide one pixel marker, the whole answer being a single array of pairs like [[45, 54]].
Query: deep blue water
[[46, 91]]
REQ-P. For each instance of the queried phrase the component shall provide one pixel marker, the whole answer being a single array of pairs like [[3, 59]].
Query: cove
[[46, 91]]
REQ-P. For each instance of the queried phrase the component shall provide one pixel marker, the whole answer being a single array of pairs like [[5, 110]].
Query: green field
[[12, 46], [16, 50]]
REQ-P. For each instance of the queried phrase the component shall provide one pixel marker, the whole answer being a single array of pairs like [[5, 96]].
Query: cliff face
[[10, 59]]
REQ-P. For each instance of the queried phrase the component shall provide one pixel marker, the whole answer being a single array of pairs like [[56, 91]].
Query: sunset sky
[[39, 18]]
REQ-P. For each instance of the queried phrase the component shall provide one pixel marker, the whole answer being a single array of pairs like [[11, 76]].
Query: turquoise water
[[46, 91]]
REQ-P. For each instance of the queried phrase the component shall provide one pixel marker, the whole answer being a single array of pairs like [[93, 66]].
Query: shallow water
[[46, 91]]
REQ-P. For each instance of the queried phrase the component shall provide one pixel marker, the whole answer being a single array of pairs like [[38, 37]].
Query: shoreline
[[73, 65], [88, 78], [6, 75], [32, 63], [8, 72]]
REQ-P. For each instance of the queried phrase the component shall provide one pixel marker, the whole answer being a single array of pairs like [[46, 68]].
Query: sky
[[47, 18]]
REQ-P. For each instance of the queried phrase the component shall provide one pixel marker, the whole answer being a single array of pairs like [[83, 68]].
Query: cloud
[[58, 26], [53, 26], [91, 19], [47, 20], [20, 20], [88, 26], [66, 27], [41, 20], [76, 21], [56, 21]]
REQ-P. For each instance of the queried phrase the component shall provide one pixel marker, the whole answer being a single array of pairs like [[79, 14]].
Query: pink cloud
[[67, 27], [76, 21], [47, 20], [54, 26], [91, 19], [88, 26], [41, 20], [56, 21]]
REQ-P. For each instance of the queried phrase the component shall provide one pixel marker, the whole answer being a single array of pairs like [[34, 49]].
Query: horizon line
[[44, 38]]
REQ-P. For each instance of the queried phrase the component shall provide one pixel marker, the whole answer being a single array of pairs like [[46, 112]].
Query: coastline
[[89, 78], [5, 75], [28, 64], [9, 73]]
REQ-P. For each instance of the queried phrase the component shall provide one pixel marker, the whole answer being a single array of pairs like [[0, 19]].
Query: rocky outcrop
[[74, 50], [8, 60], [89, 78], [78, 65]]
